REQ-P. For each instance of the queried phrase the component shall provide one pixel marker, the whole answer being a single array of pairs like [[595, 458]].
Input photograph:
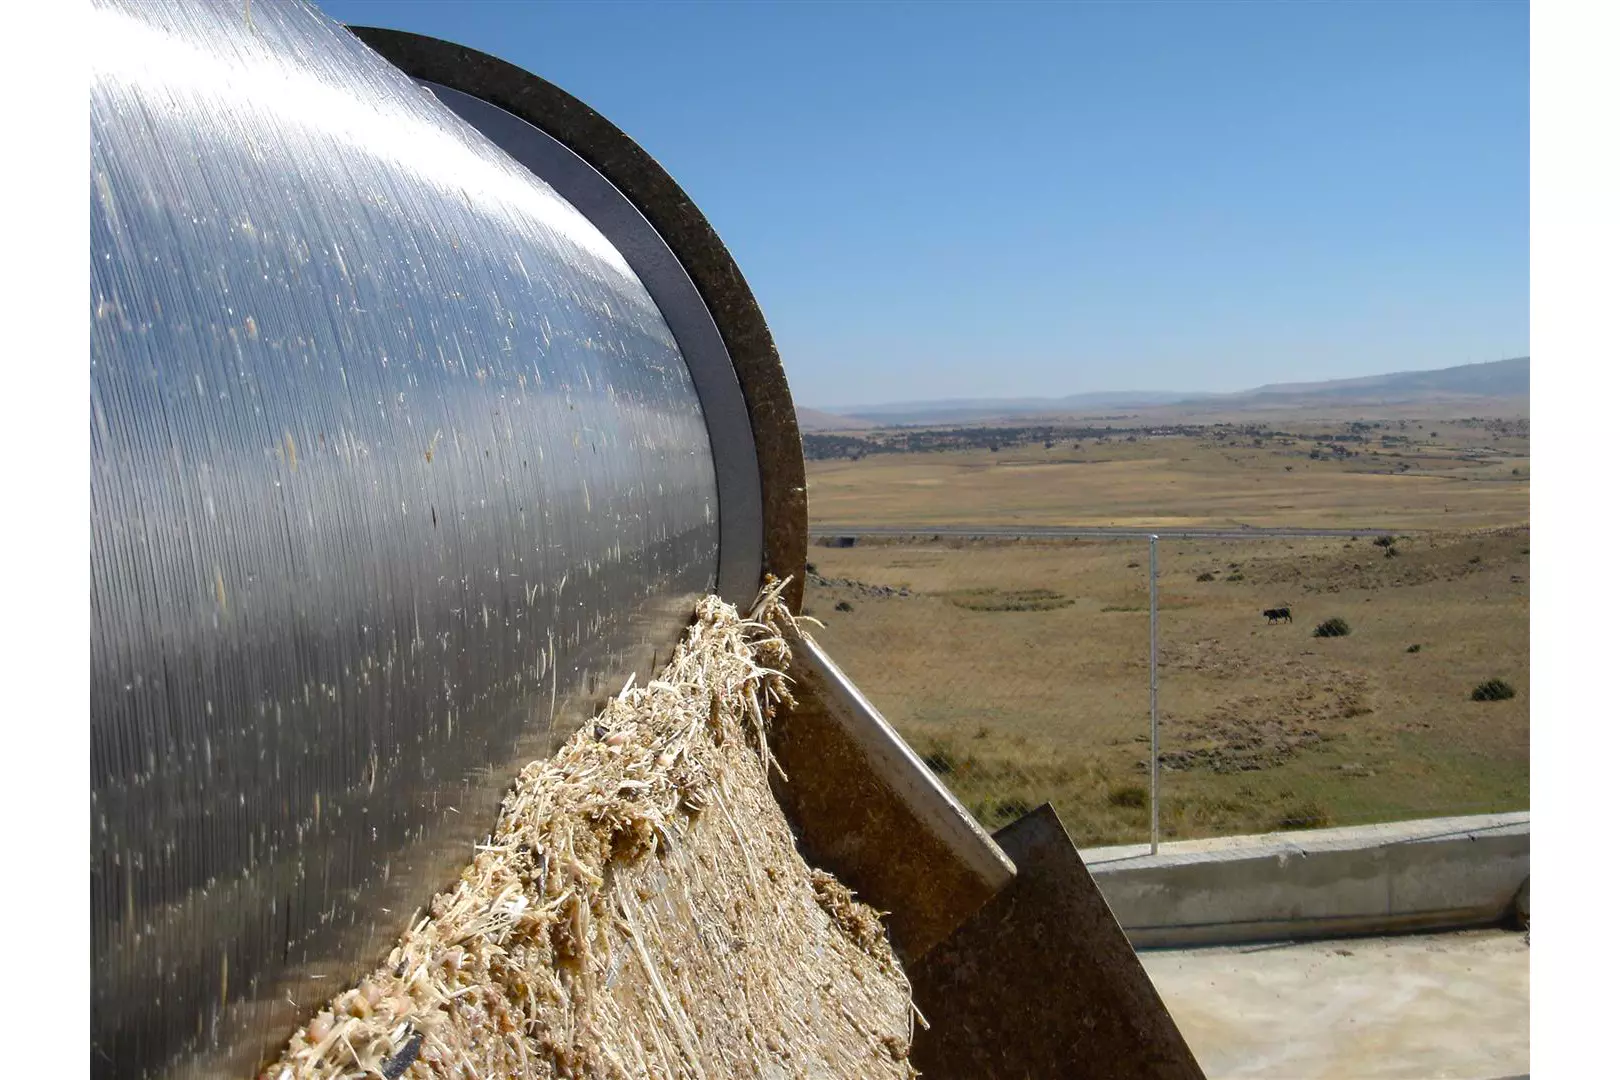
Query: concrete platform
[[1438, 873], [1422, 1007]]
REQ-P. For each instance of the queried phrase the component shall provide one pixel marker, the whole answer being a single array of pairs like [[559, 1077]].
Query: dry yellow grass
[[1019, 669], [1183, 480]]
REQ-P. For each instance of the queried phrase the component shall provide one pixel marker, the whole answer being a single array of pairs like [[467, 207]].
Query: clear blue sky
[[966, 200]]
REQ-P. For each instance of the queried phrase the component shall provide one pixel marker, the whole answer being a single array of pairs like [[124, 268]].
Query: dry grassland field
[[1426, 474], [1018, 669]]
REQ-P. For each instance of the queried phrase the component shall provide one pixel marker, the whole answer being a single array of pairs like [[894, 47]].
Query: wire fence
[[1302, 681]]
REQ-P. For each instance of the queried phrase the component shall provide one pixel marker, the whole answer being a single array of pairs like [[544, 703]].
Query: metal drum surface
[[397, 468]]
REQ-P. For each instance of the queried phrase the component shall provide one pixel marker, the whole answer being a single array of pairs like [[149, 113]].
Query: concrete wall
[[1440, 873]]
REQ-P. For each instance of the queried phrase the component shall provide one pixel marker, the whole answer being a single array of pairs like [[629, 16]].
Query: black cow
[[1273, 614]]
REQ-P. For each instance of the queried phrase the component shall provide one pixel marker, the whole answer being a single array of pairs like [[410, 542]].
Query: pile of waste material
[[639, 910]]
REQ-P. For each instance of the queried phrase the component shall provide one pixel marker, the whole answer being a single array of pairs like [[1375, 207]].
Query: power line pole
[[1153, 685]]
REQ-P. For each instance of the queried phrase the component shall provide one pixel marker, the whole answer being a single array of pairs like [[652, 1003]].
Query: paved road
[[1088, 532]]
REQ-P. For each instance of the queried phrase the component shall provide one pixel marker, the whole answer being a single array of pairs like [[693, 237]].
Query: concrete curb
[[1435, 874]]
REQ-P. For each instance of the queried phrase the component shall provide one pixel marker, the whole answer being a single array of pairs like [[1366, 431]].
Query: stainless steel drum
[[421, 411]]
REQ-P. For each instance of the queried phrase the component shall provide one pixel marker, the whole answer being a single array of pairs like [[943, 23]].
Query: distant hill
[[1498, 378], [816, 420], [964, 410], [1494, 379]]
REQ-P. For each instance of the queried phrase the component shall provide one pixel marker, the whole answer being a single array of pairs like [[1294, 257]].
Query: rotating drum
[[423, 407]]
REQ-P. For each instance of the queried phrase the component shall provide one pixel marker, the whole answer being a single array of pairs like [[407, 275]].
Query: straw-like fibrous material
[[639, 911]]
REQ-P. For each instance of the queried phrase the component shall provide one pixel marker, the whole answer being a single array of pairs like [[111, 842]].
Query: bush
[[1493, 690], [1131, 796], [1306, 814], [1236, 575], [1334, 627], [941, 762], [1414, 648], [1010, 809], [1391, 551], [1385, 541], [994, 813], [1206, 576], [843, 605]]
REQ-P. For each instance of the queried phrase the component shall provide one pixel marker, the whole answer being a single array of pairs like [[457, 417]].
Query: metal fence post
[[1153, 685]]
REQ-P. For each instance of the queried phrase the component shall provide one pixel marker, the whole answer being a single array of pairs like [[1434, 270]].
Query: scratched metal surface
[[396, 471]]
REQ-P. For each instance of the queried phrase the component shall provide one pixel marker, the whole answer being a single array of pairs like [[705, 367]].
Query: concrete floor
[[1423, 1007]]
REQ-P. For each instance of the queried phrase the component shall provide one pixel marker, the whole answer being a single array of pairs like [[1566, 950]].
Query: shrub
[[1385, 541], [1414, 648], [1206, 576], [1236, 575], [1131, 796], [940, 762], [1132, 565], [1391, 551], [994, 813], [1334, 627], [1493, 690], [809, 567], [843, 605], [1306, 814], [1010, 809]]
